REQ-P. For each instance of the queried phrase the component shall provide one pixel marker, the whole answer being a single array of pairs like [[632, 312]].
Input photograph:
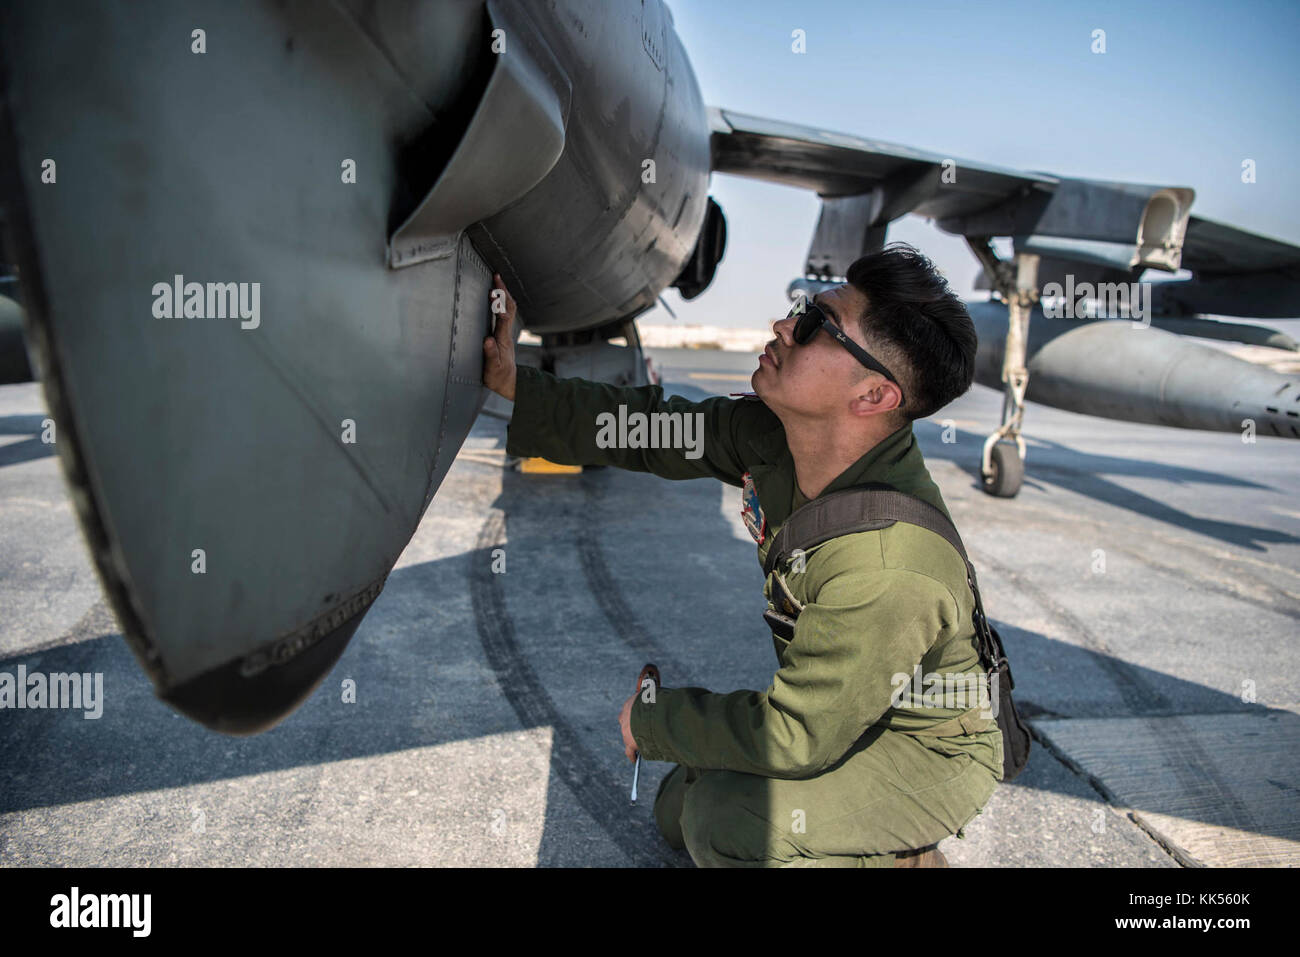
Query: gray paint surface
[[296, 450]]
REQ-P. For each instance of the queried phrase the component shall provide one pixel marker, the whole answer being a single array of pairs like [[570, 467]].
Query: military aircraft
[[255, 243]]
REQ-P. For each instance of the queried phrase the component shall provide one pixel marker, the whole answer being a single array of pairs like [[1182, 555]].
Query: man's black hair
[[914, 317]]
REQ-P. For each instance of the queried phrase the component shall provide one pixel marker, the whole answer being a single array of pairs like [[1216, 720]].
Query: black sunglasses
[[811, 318]]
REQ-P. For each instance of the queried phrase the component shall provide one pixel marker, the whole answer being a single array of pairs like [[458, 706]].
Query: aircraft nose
[[255, 693]]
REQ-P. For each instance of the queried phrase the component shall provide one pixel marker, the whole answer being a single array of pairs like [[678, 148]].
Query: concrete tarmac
[[1146, 582]]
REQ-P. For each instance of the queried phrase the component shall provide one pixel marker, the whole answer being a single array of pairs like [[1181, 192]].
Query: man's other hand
[[499, 348], [625, 725]]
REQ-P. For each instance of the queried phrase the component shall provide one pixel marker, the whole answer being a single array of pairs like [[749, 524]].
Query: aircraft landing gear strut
[[1002, 466]]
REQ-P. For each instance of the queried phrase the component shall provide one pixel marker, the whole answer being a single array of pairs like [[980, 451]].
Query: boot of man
[[921, 857]]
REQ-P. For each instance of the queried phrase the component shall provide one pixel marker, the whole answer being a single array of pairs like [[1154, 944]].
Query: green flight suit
[[823, 768]]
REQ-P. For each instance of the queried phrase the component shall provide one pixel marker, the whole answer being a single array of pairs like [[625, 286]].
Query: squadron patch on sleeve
[[751, 512]]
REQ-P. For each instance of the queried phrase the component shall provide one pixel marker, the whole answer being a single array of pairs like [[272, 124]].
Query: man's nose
[[785, 329]]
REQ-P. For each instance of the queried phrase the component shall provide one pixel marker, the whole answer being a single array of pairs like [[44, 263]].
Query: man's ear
[[869, 402], [877, 400]]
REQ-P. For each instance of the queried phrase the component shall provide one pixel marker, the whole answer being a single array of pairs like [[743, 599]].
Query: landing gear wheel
[[1007, 471]]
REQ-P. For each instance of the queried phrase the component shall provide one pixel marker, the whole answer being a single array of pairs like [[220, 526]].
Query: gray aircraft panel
[[986, 200], [246, 484], [295, 445], [1214, 247], [832, 163]]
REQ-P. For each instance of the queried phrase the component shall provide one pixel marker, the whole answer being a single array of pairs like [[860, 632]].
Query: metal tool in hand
[[648, 673]]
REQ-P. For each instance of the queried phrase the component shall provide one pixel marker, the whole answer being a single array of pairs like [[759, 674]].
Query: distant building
[[686, 336]]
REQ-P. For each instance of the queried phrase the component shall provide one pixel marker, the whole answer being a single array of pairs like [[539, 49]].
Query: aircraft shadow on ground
[[33, 448], [1051, 463], [604, 573]]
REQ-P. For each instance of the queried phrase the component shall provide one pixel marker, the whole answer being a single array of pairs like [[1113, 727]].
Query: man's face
[[819, 378]]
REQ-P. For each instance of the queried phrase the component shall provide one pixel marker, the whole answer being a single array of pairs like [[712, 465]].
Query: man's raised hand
[[499, 348]]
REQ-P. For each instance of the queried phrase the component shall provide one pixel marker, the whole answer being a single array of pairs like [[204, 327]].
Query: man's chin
[[765, 387]]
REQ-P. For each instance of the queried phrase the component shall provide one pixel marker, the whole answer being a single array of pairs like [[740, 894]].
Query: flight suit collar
[[893, 460], [887, 461]]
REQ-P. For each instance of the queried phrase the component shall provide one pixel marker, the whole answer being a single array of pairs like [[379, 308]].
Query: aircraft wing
[[1101, 231], [1211, 247], [838, 164], [1235, 273]]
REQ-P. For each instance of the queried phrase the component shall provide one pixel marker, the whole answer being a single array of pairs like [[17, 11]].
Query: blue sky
[[1184, 93]]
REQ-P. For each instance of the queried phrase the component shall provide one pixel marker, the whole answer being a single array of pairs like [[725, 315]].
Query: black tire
[[1008, 471]]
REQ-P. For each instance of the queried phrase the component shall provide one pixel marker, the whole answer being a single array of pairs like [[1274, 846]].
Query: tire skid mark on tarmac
[[1282, 602], [1191, 765], [609, 596], [571, 760]]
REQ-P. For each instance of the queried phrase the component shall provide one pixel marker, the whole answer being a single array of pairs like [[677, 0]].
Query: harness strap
[[862, 508], [870, 507]]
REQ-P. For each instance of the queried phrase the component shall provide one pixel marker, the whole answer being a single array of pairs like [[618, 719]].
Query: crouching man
[[839, 762]]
